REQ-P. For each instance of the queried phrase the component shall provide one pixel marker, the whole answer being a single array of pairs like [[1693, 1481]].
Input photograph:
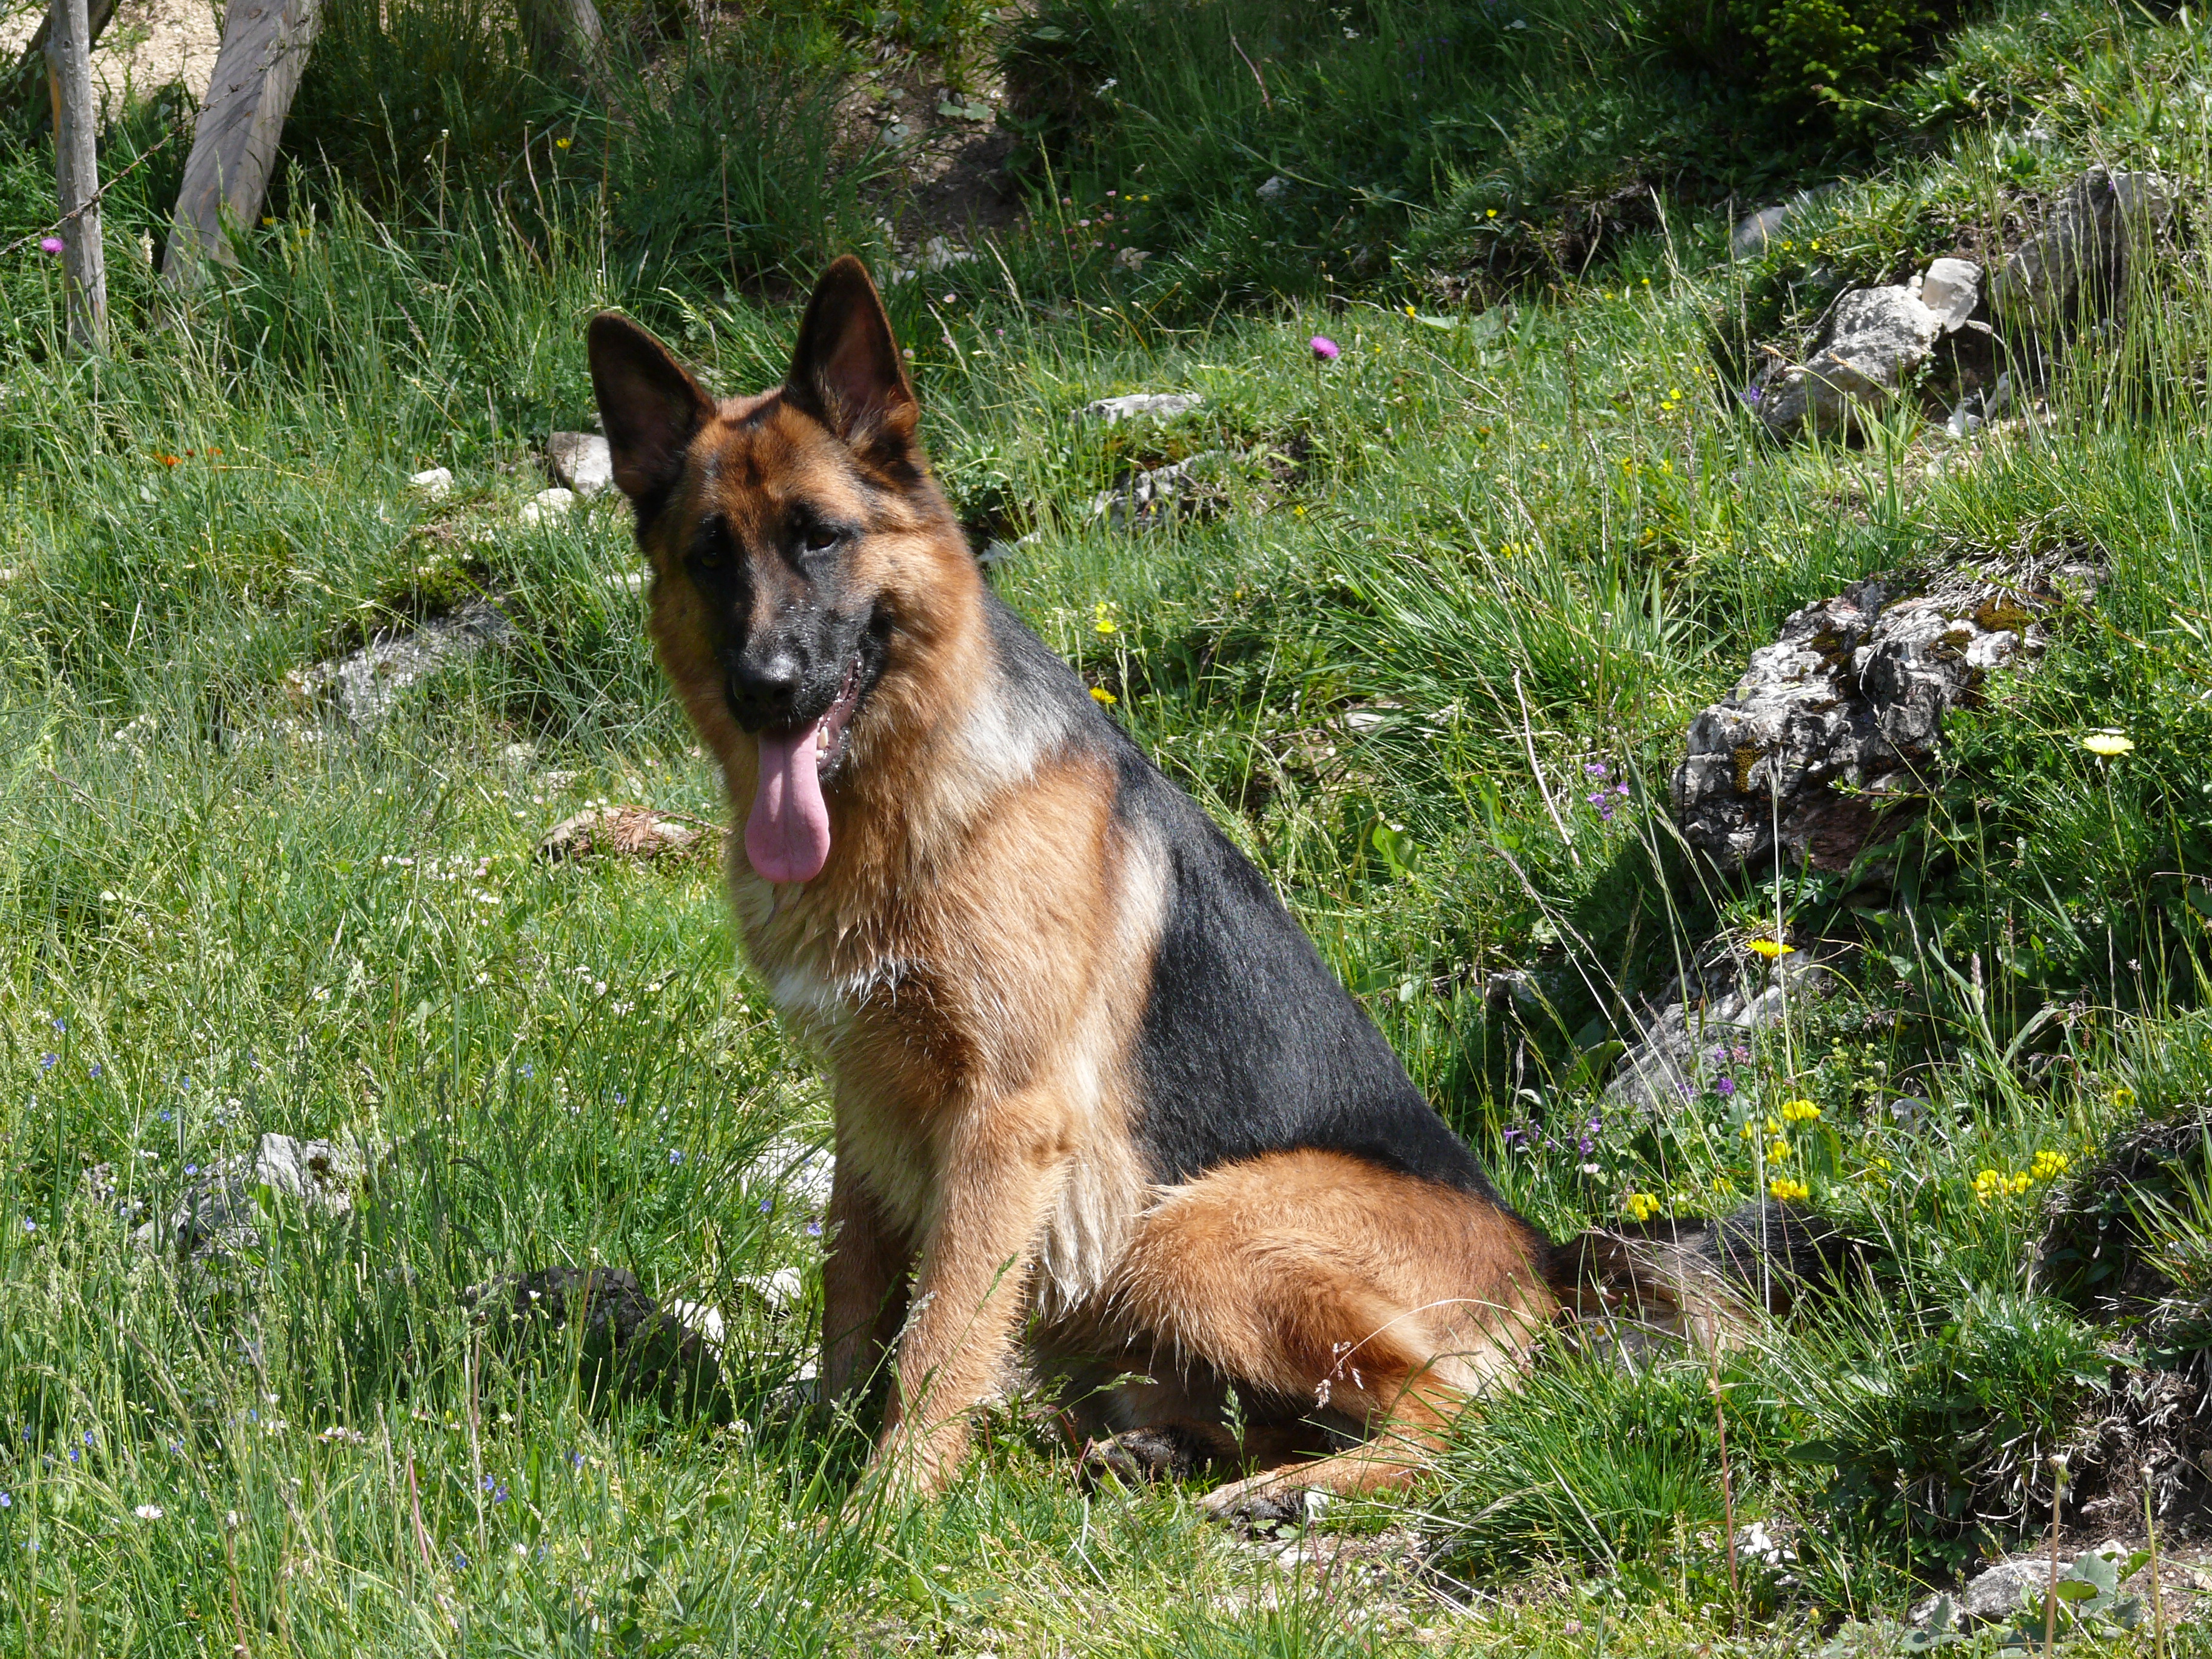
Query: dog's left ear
[[847, 373]]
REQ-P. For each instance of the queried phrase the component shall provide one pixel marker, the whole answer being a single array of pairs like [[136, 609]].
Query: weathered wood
[[76, 169], [564, 38], [25, 93], [257, 69]]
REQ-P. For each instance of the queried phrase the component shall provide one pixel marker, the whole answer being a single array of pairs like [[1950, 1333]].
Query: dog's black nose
[[764, 689]]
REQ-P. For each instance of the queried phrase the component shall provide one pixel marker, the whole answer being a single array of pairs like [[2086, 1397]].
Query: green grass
[[1543, 525]]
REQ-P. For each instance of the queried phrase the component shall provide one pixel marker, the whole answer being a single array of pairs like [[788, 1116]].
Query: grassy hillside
[[1523, 516]]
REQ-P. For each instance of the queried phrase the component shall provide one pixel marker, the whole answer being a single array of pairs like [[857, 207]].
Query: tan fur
[[972, 965]]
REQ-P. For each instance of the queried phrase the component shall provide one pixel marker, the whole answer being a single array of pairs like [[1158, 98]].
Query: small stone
[[434, 484], [1877, 337], [938, 254], [580, 461], [366, 684], [1274, 190], [1178, 491], [547, 505], [1140, 405], [1755, 230], [1951, 289]]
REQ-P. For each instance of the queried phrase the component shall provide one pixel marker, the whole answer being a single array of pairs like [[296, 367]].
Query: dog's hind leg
[[1347, 1292]]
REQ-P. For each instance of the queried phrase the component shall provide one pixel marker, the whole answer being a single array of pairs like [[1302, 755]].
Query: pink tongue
[[787, 836]]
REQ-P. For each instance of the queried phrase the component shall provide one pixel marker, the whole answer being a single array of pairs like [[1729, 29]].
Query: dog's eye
[[819, 538]]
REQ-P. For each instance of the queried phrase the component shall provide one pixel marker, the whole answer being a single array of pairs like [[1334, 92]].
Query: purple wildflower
[[814, 1230], [675, 1156], [51, 245], [95, 1068], [1724, 1086], [1595, 769], [48, 1061], [1583, 1145], [1740, 1054], [1324, 348]]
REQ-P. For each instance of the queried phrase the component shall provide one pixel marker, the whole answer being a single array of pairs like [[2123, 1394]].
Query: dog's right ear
[[649, 408]]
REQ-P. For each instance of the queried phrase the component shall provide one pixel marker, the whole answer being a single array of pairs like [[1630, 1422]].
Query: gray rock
[[1952, 289], [219, 1214], [547, 505], [433, 484], [1715, 1019], [1752, 233], [1877, 337], [1274, 188], [1182, 490], [1833, 726], [2075, 264], [1755, 230], [1976, 409], [1141, 405], [364, 686], [627, 1348], [580, 461], [1999, 1592]]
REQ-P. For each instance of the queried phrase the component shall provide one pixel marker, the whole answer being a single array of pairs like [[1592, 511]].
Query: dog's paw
[[1257, 1503]]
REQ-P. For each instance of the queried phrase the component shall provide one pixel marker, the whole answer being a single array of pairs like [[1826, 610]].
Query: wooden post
[[257, 71], [76, 169], [564, 39]]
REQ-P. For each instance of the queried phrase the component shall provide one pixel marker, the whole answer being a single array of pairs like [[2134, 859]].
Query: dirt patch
[[150, 45]]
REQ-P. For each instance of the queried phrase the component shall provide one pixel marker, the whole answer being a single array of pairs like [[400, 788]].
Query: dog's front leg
[[863, 1284], [1001, 1178]]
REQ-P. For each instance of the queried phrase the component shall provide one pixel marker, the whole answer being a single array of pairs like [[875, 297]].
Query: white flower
[[148, 1511]]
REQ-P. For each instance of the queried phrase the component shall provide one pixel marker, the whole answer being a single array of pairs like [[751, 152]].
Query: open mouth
[[833, 731], [787, 831]]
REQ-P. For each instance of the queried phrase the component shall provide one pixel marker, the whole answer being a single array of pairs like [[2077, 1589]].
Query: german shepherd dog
[[1092, 1084]]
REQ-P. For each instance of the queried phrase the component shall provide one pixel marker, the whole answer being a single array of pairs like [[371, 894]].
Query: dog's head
[[795, 536]]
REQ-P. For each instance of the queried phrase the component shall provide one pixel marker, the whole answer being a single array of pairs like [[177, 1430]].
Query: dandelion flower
[[1100, 693], [2107, 744], [1324, 348], [1769, 948]]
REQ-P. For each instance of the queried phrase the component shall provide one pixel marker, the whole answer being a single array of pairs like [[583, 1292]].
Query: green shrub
[[1808, 62]]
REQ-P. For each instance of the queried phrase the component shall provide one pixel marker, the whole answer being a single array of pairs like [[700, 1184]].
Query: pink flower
[[51, 245], [1323, 347]]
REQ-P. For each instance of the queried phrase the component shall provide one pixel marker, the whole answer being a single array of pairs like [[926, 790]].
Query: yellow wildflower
[[1783, 1187], [1777, 1151], [1103, 696], [2107, 744], [1769, 948], [2048, 1166], [1105, 624], [561, 143], [2123, 1097], [1800, 1111], [1773, 1124], [1987, 1184], [1639, 1206]]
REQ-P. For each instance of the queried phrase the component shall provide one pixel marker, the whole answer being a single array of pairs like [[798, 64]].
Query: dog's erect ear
[[846, 372], [650, 408]]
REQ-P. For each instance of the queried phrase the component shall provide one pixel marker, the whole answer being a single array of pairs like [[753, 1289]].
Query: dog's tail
[[1706, 1282]]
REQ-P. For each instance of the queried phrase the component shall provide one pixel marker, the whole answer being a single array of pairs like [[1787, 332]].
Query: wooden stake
[[76, 169], [257, 68]]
